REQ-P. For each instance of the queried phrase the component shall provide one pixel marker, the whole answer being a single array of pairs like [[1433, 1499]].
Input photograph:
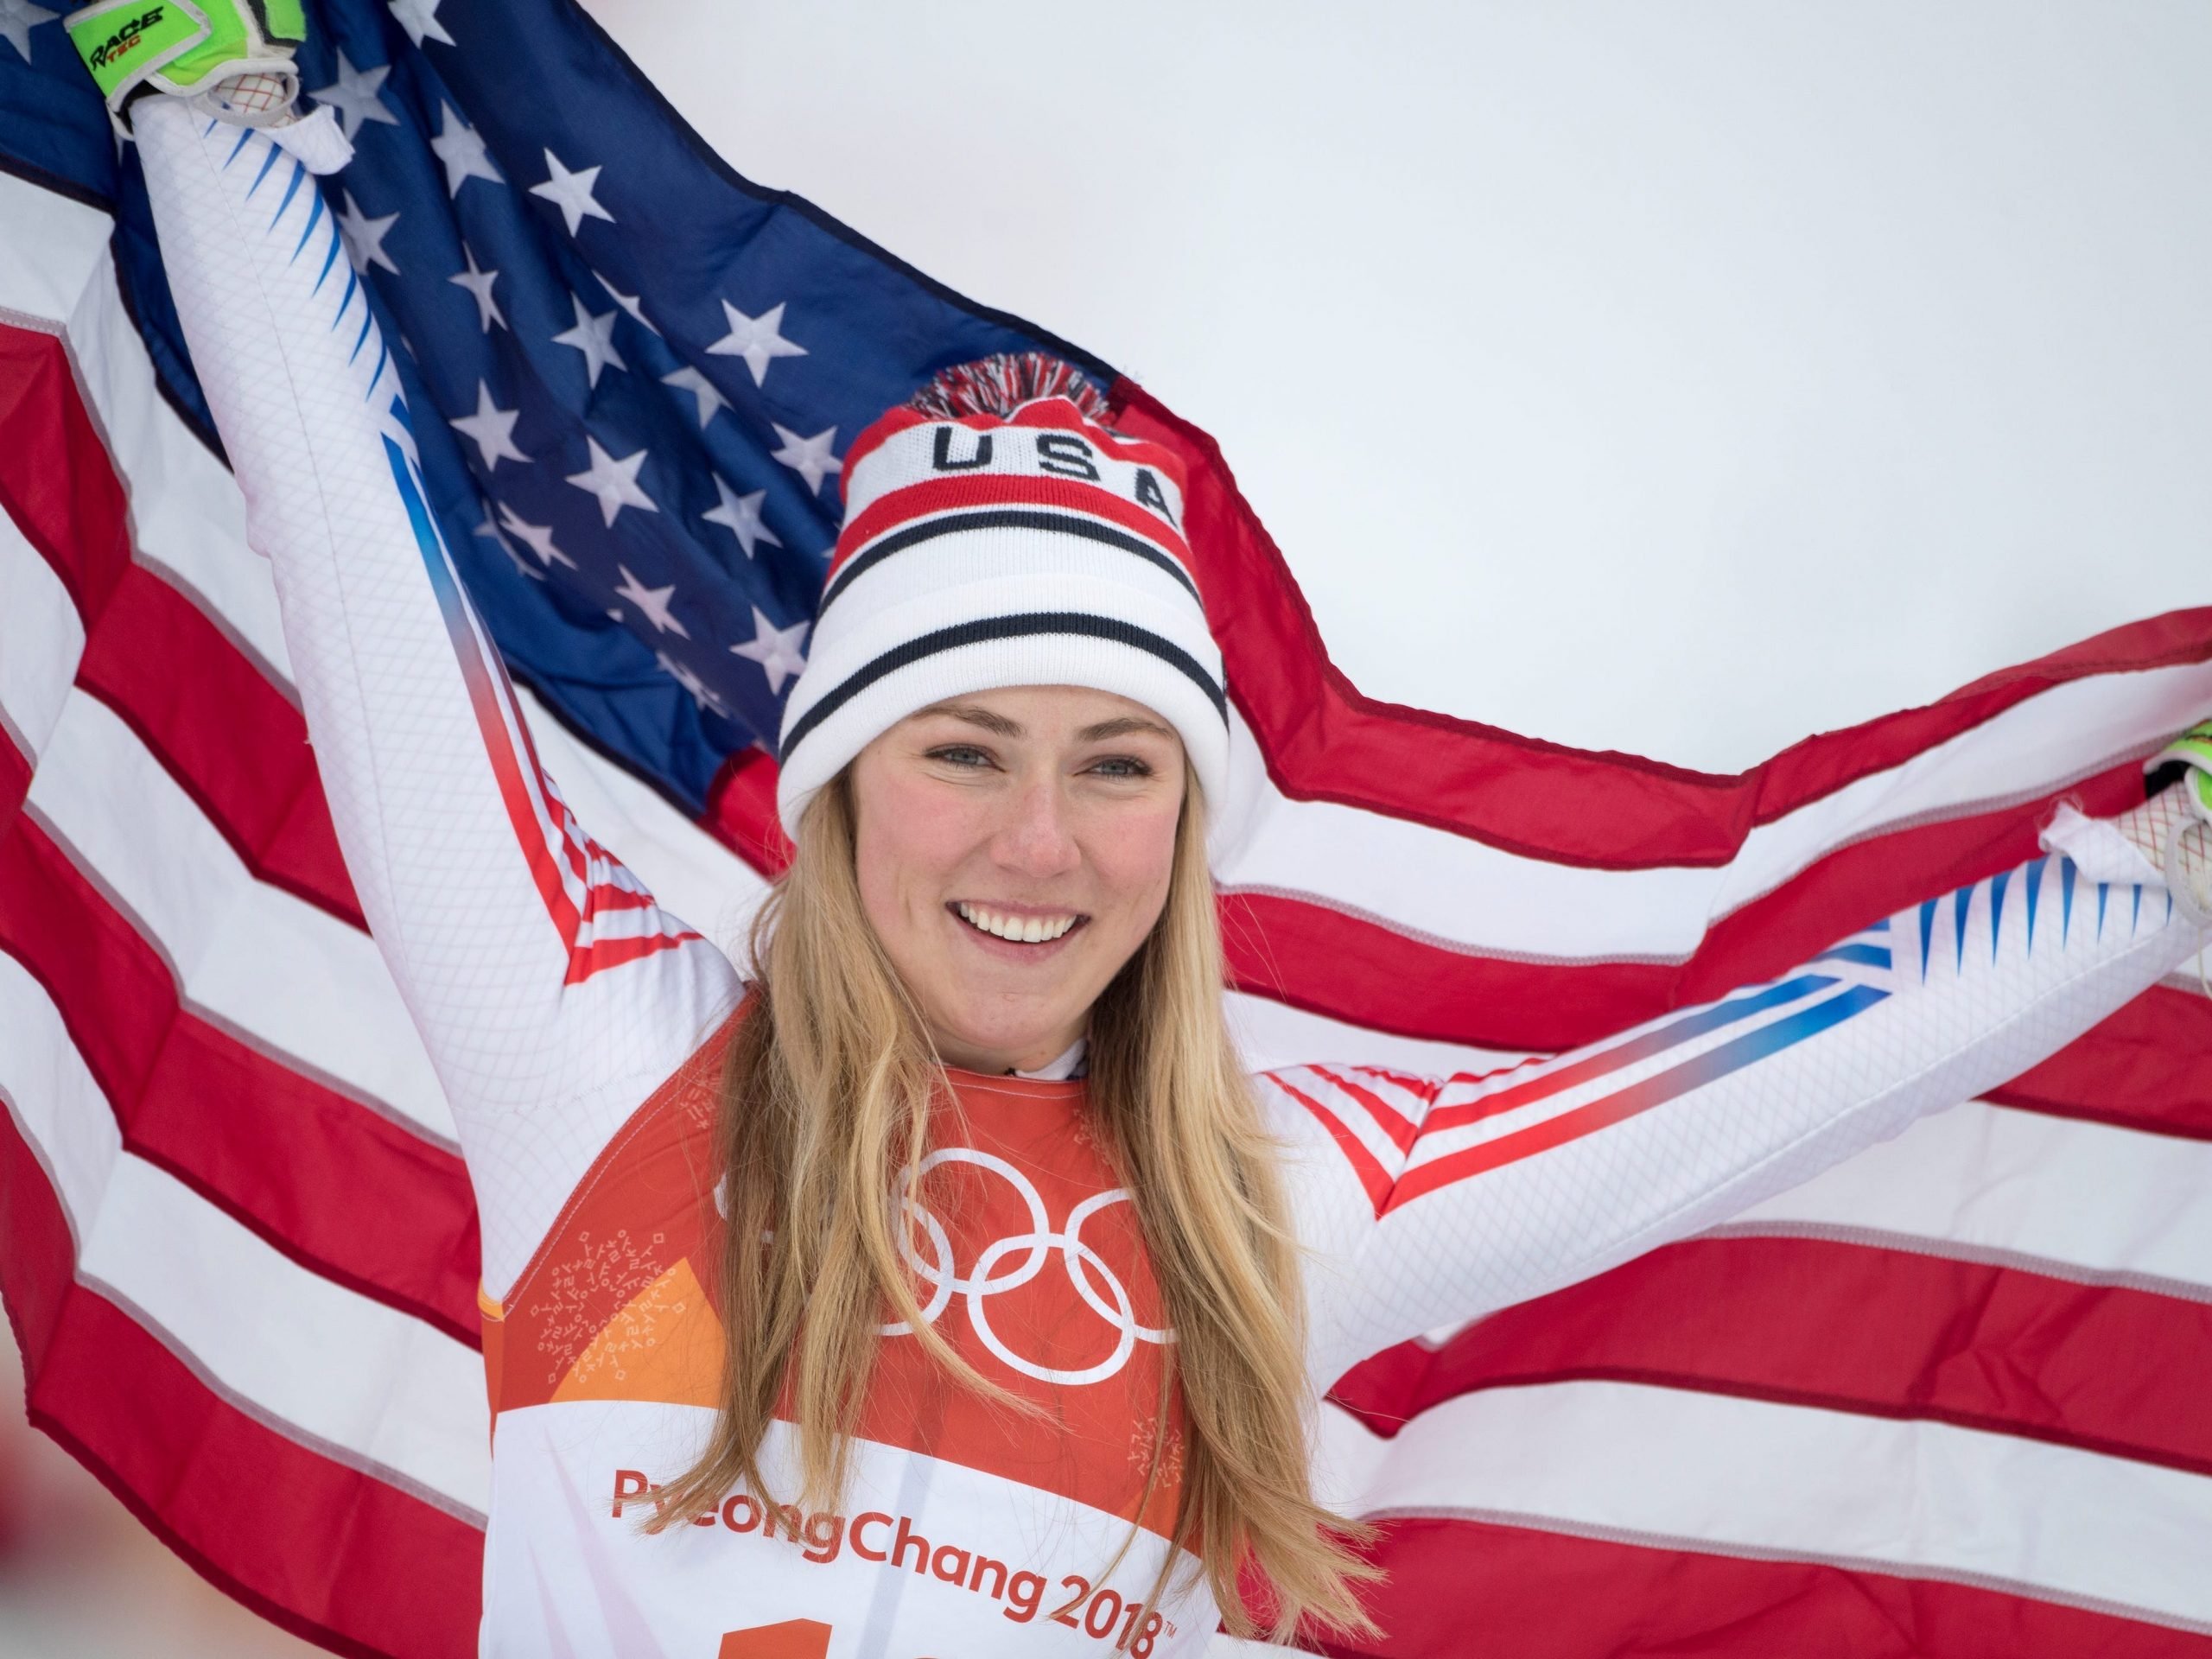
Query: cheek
[[906, 845], [1136, 860]]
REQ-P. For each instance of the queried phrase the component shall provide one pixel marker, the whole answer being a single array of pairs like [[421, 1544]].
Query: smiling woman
[[1014, 848], [945, 1287]]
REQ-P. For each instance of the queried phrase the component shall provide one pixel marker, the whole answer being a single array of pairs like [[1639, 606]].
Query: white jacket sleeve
[[552, 993], [1428, 1202]]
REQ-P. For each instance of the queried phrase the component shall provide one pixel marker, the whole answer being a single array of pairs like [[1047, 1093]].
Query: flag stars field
[[364, 235], [614, 482], [571, 192], [740, 516], [460, 147], [595, 337], [479, 284], [355, 97], [809, 457], [780, 652], [493, 429], [759, 341], [653, 602]]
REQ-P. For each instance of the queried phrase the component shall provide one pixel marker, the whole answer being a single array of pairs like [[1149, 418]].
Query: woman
[[949, 1291]]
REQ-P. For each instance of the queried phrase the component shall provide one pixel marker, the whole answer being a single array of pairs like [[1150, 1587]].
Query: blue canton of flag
[[631, 373]]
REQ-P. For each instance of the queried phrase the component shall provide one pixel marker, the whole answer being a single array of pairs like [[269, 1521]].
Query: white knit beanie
[[1023, 545]]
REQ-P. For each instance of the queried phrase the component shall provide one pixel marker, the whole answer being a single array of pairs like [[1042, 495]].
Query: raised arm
[[1427, 1202], [551, 991]]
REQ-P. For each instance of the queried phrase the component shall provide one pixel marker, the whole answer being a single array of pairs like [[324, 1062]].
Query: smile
[[1017, 930]]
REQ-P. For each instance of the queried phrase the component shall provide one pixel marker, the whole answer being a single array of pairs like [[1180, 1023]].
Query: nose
[[1036, 838]]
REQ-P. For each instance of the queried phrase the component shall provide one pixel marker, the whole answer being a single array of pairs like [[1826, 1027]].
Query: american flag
[[1946, 1399]]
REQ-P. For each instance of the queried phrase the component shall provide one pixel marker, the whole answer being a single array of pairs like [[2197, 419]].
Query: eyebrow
[[999, 726]]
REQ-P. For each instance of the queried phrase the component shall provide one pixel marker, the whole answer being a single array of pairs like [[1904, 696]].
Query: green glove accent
[[2193, 748], [122, 43], [182, 45]]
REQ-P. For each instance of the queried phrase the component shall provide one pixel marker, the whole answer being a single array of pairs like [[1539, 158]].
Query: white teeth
[[1023, 930]]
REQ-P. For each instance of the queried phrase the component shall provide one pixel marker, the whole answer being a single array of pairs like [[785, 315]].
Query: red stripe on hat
[[336, 1186], [334, 1556], [917, 501]]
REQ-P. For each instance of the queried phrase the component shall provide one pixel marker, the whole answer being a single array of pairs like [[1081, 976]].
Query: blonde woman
[[948, 1289]]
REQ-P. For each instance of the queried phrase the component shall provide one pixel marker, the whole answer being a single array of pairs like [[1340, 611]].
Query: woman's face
[[1045, 812]]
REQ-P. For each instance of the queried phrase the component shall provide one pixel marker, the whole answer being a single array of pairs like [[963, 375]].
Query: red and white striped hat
[[1024, 544]]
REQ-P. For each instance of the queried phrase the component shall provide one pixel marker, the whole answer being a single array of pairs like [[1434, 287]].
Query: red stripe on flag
[[333, 1185], [1000, 490], [2149, 1066], [233, 741], [336, 1556], [1326, 741], [1468, 1587], [1350, 968], [1845, 1327]]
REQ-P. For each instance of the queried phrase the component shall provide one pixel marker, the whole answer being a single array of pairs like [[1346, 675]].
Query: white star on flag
[[522, 565], [740, 515], [479, 283], [653, 601], [684, 676], [614, 482], [420, 19], [364, 237], [595, 337], [809, 457], [778, 650], [460, 147], [759, 341], [353, 97], [493, 428], [690, 379], [17, 19], [571, 192], [537, 537]]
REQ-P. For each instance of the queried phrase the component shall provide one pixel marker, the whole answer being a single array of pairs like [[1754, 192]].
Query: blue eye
[[1134, 767], [960, 754]]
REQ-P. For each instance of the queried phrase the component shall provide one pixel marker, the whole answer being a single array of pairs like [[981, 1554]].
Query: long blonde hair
[[830, 1081]]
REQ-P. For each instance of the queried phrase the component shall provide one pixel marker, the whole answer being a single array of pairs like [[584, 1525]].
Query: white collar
[[1069, 1065]]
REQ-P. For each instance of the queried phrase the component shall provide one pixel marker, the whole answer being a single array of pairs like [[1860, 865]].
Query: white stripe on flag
[[1696, 1471], [2079, 1200], [1464, 895], [45, 638], [188, 519], [1270, 1034], [285, 974], [338, 1372]]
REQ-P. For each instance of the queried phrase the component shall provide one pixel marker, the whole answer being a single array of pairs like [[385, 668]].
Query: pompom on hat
[[997, 534]]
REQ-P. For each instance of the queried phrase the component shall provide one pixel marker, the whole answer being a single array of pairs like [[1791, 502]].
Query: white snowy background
[[1680, 378]]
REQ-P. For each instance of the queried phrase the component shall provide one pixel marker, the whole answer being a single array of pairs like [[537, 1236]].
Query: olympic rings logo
[[1036, 1248]]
